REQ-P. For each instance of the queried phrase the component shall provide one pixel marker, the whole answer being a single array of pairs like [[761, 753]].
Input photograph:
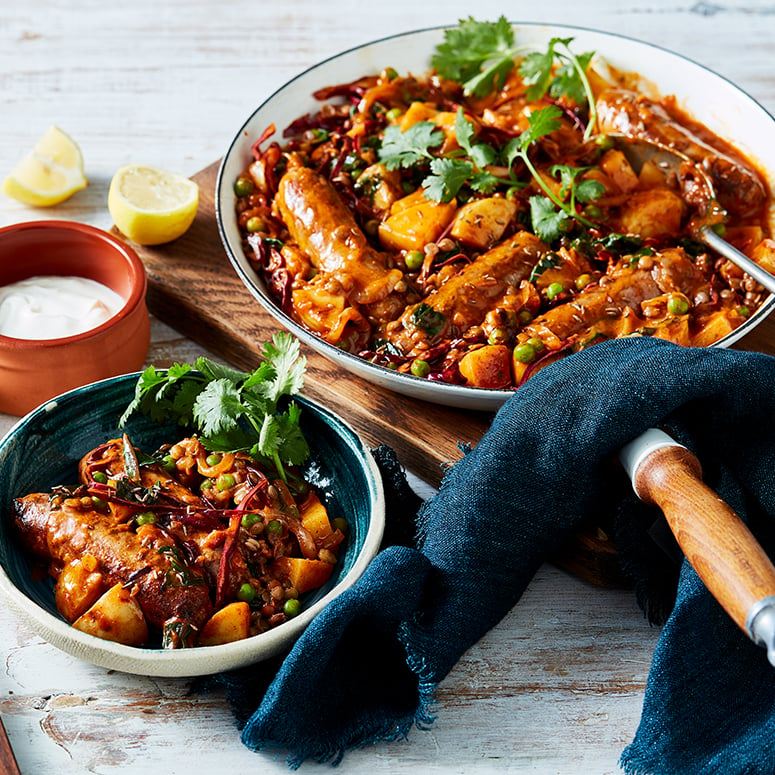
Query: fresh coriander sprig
[[479, 55], [568, 78], [233, 410], [548, 222]]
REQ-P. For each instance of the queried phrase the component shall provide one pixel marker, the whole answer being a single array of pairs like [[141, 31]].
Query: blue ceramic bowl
[[43, 450]]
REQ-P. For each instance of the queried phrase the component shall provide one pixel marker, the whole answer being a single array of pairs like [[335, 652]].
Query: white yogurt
[[54, 307]]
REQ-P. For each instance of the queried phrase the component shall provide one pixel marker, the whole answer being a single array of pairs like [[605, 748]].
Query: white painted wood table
[[557, 686]]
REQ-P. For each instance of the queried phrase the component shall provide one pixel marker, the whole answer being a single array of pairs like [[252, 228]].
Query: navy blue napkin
[[367, 668]]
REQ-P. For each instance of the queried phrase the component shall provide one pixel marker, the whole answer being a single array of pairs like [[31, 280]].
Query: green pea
[[207, 484], [524, 353], [291, 608], [743, 310], [274, 528], [497, 336], [420, 368], [720, 229], [100, 476], [250, 519], [98, 503], [582, 281], [525, 316], [213, 460], [536, 344], [592, 211], [246, 592], [604, 142], [554, 290], [393, 114], [146, 518], [677, 305], [413, 260], [255, 223], [243, 186], [225, 482]]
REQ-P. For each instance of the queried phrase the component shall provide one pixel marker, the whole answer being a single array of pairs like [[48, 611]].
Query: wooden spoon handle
[[718, 544]]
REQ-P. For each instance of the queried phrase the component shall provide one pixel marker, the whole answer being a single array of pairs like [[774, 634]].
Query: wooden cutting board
[[193, 288]]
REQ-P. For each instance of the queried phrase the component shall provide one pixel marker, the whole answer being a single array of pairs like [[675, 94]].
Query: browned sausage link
[[167, 585], [739, 188], [325, 229], [667, 272], [465, 299]]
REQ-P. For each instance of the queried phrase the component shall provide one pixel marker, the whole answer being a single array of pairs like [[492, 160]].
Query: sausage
[[465, 299], [167, 586], [739, 188], [325, 229]]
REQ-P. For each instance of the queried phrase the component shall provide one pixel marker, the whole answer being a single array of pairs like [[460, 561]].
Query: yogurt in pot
[[52, 307]]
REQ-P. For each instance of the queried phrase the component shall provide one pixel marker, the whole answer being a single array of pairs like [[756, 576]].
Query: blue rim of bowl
[[446, 392], [201, 660]]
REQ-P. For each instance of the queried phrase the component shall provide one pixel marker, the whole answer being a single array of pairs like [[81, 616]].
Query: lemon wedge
[[151, 206], [50, 173]]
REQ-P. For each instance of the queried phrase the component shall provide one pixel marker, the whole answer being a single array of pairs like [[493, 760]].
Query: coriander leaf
[[484, 182], [284, 354], [232, 410], [449, 176], [480, 154], [569, 81], [479, 55], [540, 122], [217, 407], [536, 71], [548, 222], [589, 190], [212, 370], [403, 149]]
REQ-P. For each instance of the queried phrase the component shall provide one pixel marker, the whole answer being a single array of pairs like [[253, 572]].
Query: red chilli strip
[[229, 545], [265, 135]]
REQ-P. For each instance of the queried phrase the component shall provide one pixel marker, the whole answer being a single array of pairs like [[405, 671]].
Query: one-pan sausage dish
[[471, 226]]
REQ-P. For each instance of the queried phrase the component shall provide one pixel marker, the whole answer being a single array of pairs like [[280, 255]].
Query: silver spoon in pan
[[638, 151]]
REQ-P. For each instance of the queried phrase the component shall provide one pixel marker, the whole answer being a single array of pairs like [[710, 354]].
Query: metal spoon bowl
[[638, 151]]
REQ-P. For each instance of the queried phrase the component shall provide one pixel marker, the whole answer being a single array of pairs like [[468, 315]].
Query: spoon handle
[[762, 276], [718, 544]]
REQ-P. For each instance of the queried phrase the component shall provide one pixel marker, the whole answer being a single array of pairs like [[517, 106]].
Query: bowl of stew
[[445, 243], [72, 440]]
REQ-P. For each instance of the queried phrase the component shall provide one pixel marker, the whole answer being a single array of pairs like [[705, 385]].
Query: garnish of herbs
[[233, 410]]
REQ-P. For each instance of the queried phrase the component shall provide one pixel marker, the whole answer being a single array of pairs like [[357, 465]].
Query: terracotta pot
[[34, 371]]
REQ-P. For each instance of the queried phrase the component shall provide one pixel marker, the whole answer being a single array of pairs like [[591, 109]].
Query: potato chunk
[[656, 212], [481, 222], [230, 624], [487, 367], [78, 587], [117, 617]]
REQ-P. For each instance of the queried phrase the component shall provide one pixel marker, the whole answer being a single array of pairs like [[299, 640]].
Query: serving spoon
[[718, 544], [638, 151]]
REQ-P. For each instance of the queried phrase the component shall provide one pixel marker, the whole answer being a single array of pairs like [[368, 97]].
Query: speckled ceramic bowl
[[731, 114], [35, 370], [43, 450]]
